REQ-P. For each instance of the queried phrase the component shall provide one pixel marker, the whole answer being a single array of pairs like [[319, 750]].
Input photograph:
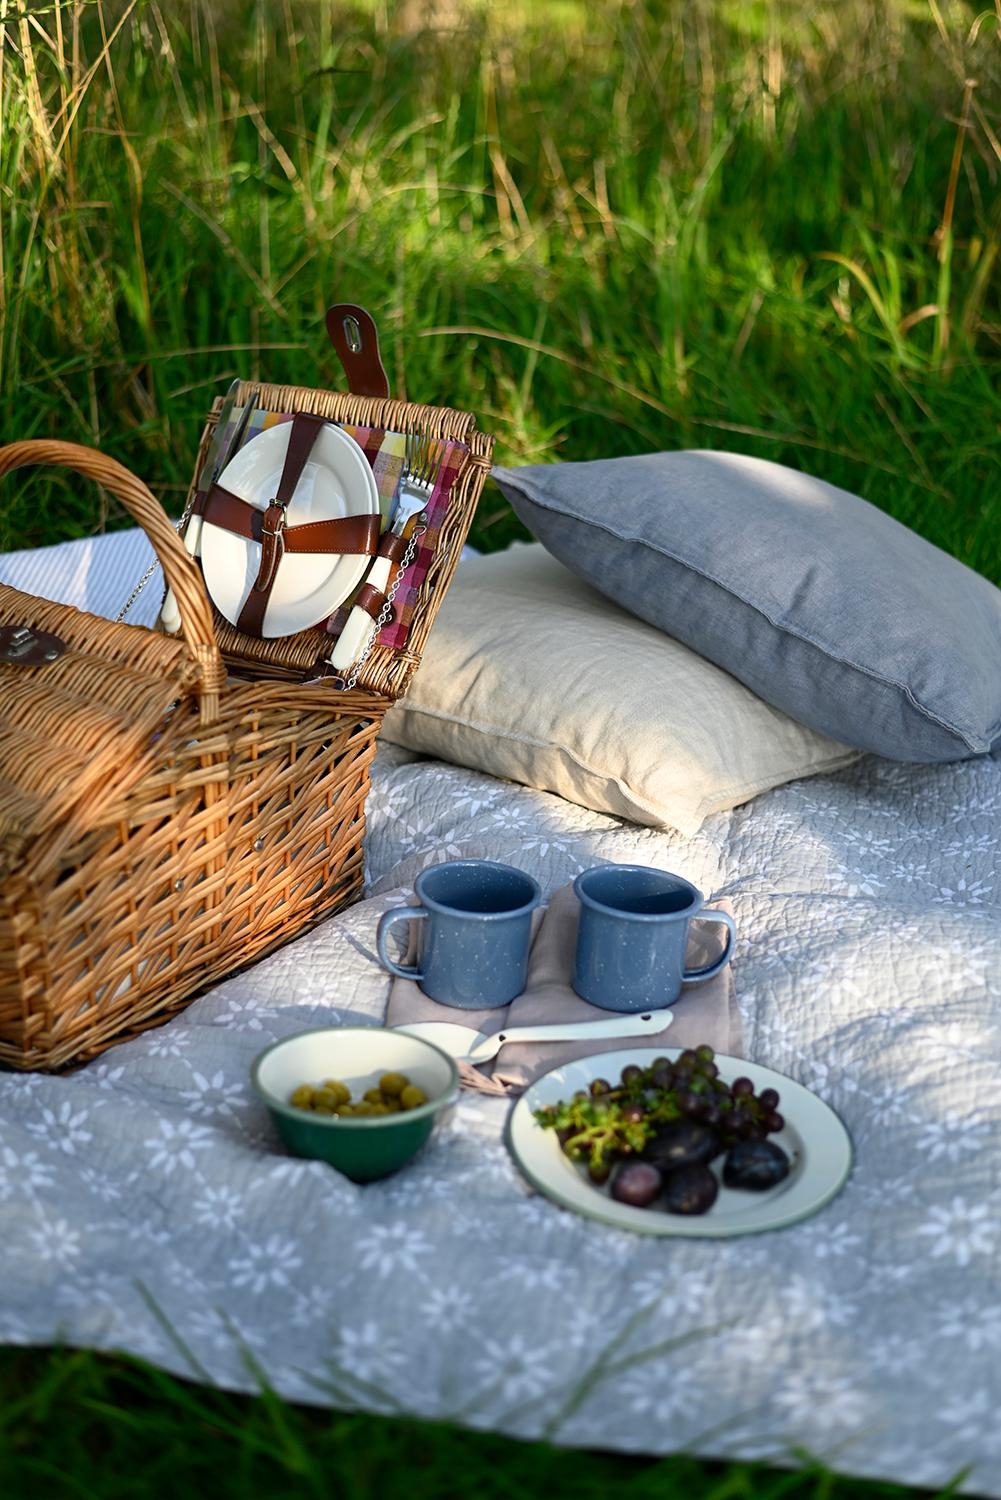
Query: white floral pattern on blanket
[[145, 1204]]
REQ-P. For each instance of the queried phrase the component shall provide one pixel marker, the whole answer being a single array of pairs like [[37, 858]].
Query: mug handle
[[398, 914], [708, 914]]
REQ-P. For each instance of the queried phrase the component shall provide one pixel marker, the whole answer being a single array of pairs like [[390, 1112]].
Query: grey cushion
[[819, 602]]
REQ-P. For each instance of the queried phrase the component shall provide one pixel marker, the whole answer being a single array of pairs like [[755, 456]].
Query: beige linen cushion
[[532, 675]]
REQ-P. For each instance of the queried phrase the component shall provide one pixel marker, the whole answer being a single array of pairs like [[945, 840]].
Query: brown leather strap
[[392, 546], [272, 546], [305, 429], [371, 601], [346, 534], [354, 337], [355, 534], [304, 433], [251, 618]]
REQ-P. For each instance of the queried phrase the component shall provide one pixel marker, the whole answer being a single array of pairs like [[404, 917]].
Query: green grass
[[74, 1426], [605, 227]]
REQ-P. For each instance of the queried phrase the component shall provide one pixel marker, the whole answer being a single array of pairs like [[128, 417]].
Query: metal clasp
[[21, 645], [352, 332]]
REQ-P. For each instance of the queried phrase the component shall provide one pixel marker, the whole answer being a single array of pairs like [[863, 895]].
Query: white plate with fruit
[[679, 1143]]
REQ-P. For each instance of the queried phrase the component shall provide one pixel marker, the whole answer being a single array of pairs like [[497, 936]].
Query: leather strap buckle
[[282, 509], [272, 545]]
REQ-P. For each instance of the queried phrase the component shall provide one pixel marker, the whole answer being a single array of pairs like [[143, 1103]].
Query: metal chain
[[179, 525], [386, 611]]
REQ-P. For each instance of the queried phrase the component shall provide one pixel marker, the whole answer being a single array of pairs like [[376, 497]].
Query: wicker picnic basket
[[173, 807]]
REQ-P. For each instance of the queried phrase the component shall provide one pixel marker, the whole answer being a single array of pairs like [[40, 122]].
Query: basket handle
[[180, 570]]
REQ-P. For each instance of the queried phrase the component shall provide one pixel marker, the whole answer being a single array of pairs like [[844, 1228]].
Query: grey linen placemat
[[704, 1012]]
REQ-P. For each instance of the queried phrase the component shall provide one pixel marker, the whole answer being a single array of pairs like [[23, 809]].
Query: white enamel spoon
[[467, 1045]]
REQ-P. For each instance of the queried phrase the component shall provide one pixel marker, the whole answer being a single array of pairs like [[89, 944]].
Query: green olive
[[393, 1084], [341, 1090]]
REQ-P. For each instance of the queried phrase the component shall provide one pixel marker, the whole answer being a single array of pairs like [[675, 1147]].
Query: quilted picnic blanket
[[147, 1206]]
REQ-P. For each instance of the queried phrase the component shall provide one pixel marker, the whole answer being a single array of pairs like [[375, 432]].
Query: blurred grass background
[[770, 226], [605, 227]]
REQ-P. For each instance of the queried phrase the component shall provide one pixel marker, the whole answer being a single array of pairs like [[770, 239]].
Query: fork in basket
[[421, 462]]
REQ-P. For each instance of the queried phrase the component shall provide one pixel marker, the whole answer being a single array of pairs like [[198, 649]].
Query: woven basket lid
[[77, 732]]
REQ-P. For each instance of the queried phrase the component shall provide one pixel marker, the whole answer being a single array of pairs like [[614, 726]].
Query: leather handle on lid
[[180, 570], [355, 338]]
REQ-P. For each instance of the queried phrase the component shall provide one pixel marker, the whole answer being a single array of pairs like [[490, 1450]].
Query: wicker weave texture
[[161, 824]]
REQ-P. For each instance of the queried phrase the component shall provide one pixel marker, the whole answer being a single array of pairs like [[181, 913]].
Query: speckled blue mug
[[474, 927], [632, 936]]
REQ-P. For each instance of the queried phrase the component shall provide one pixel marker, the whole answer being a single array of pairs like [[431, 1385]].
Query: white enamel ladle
[[475, 1047]]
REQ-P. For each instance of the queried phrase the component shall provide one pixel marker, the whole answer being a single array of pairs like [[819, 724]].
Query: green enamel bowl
[[369, 1146]]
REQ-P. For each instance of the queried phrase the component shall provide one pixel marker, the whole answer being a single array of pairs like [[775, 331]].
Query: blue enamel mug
[[473, 930], [632, 936]]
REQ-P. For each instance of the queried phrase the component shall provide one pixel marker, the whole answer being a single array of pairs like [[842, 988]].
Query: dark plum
[[690, 1190], [756, 1165], [637, 1184], [682, 1144]]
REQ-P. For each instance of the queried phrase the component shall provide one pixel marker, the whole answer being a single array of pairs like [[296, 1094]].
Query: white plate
[[336, 481], [815, 1140]]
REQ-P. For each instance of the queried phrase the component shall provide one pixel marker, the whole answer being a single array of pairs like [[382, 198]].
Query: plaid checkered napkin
[[385, 451]]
